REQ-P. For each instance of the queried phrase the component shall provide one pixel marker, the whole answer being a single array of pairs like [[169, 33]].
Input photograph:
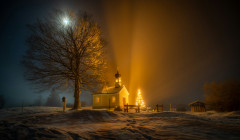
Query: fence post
[[157, 107], [22, 106], [127, 107], [64, 100]]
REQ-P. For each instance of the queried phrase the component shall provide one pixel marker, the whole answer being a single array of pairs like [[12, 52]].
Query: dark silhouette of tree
[[65, 51], [53, 99], [2, 101], [224, 96]]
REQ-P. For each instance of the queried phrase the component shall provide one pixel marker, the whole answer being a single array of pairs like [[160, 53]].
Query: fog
[[168, 49]]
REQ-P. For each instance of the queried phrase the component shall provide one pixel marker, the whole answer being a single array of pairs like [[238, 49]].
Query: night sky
[[168, 49]]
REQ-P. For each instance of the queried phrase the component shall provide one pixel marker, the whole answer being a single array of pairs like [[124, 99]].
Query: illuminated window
[[97, 99], [113, 99], [118, 80]]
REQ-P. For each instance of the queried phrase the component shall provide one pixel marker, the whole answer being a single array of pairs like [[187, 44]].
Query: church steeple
[[118, 82]]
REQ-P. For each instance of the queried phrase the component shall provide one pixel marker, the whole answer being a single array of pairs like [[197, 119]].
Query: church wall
[[117, 99], [104, 101], [97, 100], [113, 100], [123, 93]]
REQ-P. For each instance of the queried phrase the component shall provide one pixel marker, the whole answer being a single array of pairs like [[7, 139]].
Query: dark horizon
[[168, 49]]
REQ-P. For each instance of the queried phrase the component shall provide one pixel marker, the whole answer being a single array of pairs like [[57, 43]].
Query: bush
[[224, 96]]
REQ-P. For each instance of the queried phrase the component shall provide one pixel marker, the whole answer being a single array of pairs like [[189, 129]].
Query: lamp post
[[64, 100]]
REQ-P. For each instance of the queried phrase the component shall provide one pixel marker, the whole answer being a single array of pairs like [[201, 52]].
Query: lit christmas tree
[[139, 100]]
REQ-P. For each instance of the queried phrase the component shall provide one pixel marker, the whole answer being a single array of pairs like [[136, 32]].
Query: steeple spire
[[118, 81]]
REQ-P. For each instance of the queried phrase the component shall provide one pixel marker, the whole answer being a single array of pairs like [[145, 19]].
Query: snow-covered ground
[[52, 123]]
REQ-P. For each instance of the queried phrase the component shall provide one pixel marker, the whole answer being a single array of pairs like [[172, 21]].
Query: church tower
[[118, 82]]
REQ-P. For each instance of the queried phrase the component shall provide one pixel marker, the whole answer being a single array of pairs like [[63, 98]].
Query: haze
[[168, 49]]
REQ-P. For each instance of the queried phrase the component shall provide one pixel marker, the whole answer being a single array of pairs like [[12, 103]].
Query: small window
[[113, 99], [97, 99]]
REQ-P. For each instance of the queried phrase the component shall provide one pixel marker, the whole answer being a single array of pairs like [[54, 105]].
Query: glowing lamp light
[[118, 80]]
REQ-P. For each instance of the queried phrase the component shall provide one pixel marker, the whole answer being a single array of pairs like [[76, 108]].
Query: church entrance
[[124, 101]]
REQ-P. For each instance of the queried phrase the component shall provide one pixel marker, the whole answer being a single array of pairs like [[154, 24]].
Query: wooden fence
[[159, 108], [136, 107], [173, 109]]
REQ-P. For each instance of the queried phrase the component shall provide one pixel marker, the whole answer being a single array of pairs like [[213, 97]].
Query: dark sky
[[168, 49]]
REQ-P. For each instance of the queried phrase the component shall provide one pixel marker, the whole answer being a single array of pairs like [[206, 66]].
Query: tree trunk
[[77, 92]]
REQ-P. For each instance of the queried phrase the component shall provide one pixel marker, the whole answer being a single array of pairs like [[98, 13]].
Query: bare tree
[[223, 96], [65, 50]]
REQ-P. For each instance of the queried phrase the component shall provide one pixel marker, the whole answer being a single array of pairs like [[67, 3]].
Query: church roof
[[110, 90], [117, 74], [196, 102]]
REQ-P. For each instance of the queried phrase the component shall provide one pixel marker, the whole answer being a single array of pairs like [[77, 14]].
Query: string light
[[139, 100]]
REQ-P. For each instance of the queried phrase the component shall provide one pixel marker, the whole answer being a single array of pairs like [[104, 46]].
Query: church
[[111, 97]]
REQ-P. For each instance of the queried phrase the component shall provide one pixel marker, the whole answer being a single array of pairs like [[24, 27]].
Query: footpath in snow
[[52, 123]]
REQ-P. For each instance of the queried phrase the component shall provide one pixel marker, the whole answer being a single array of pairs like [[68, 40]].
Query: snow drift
[[52, 123]]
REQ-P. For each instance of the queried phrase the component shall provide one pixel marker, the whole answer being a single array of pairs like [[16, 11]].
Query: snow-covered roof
[[111, 90], [199, 102]]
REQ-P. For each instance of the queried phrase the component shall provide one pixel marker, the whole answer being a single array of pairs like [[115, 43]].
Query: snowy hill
[[52, 123]]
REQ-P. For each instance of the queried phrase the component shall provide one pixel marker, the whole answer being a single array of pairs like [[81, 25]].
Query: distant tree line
[[223, 96], [53, 99]]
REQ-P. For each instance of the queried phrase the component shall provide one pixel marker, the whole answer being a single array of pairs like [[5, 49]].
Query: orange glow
[[113, 99], [141, 35], [139, 100], [98, 99]]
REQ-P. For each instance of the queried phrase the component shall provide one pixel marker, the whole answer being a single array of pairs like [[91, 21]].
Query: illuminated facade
[[197, 106], [111, 97]]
